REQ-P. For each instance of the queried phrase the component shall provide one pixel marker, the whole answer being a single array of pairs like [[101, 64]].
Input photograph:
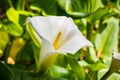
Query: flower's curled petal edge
[[75, 42], [46, 50]]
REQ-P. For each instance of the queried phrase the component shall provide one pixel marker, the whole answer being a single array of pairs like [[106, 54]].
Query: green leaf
[[81, 23], [13, 29], [13, 15], [118, 4], [114, 67], [97, 15], [114, 76], [76, 68], [107, 40], [14, 26], [83, 63], [61, 60], [26, 75], [5, 72], [80, 8], [112, 3], [98, 65], [48, 6], [58, 71]]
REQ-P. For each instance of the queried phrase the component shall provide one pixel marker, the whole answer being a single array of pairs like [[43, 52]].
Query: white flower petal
[[47, 27], [66, 28], [46, 50], [74, 41]]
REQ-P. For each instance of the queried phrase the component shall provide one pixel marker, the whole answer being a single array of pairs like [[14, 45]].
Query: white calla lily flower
[[59, 34]]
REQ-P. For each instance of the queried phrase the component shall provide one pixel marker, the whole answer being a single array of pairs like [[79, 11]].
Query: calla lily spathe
[[59, 34]]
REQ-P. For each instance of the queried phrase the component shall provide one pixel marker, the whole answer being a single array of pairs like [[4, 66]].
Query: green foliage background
[[98, 20]]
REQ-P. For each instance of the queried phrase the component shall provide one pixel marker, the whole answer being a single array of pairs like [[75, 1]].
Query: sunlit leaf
[[114, 67], [83, 63], [114, 76], [107, 39], [12, 15], [13, 29], [97, 66], [14, 26], [59, 72]]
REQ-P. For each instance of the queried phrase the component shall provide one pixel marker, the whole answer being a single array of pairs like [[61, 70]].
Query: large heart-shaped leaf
[[80, 8], [107, 40]]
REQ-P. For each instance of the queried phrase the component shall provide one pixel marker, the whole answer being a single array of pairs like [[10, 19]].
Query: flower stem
[[10, 3], [89, 31], [89, 37], [21, 5]]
